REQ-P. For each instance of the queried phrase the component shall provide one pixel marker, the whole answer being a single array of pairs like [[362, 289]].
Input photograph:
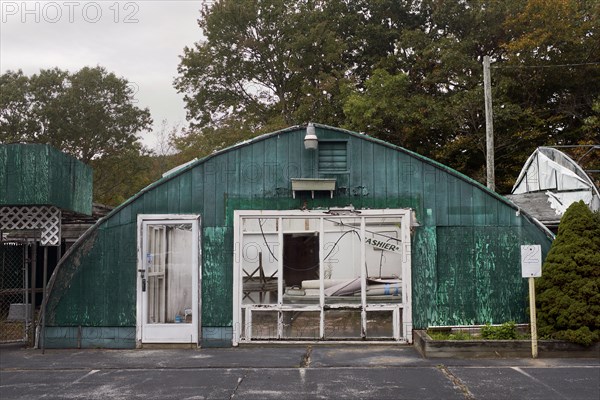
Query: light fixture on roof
[[310, 140]]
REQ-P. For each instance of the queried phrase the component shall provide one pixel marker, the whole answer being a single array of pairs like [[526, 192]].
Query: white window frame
[[401, 312]]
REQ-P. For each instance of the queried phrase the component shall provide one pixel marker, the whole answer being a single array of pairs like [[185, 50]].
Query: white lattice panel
[[46, 219]]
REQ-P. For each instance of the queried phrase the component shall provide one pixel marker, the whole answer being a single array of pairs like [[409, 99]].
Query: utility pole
[[489, 124]]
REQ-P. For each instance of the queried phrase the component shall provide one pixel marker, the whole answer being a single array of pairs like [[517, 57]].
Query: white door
[[168, 279]]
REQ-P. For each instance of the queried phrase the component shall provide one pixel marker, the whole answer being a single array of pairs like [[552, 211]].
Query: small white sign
[[531, 261]]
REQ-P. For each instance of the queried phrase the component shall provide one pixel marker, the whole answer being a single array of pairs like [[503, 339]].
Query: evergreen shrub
[[568, 293]]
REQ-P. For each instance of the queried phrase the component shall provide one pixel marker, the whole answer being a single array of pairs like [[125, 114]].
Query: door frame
[[195, 220]]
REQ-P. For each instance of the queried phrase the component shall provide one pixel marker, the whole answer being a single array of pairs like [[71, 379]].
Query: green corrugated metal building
[[39, 174], [45, 200], [273, 240]]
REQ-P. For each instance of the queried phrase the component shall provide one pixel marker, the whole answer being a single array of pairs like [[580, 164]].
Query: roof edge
[[426, 160], [293, 128]]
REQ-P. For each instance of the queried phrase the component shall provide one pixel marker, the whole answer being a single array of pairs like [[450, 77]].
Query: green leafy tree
[[198, 143], [408, 72], [439, 110], [390, 108], [120, 176], [90, 114], [281, 62], [16, 114], [553, 61], [270, 64], [259, 61], [592, 123], [568, 293]]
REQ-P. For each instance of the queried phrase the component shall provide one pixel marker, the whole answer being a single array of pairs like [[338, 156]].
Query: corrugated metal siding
[[36, 174], [465, 253], [217, 298]]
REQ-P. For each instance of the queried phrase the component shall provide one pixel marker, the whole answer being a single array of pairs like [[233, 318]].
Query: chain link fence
[[15, 310]]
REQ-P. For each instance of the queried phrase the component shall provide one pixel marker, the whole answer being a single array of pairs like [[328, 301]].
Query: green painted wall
[[38, 174], [465, 252]]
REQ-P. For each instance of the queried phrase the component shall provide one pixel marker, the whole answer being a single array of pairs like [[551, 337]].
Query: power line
[[542, 66]]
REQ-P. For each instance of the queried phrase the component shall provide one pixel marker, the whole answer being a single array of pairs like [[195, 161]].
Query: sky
[[140, 41]]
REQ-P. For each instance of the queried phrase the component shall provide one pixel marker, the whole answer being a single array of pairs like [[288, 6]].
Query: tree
[[408, 72], [198, 143], [282, 62], [90, 114], [439, 110], [391, 109], [568, 293], [16, 114], [120, 176], [259, 62], [553, 58], [592, 123]]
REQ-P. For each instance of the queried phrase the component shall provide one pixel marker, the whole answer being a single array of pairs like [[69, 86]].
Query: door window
[[168, 300], [169, 273]]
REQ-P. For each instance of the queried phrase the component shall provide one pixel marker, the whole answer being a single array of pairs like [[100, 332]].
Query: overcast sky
[[138, 40]]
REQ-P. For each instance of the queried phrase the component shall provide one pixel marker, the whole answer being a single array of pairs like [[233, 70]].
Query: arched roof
[[194, 163]]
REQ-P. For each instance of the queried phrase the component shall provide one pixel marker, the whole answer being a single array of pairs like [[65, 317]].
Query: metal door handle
[[142, 273]]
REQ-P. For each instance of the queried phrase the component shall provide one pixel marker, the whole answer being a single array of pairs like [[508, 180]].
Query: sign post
[[532, 318], [531, 268]]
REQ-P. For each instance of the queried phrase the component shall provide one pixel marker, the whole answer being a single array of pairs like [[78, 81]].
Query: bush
[[582, 336], [568, 293], [506, 331]]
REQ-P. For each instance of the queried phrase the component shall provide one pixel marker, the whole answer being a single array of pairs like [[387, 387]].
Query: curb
[[430, 348]]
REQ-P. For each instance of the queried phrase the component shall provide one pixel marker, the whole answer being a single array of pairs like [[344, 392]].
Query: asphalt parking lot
[[284, 372]]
